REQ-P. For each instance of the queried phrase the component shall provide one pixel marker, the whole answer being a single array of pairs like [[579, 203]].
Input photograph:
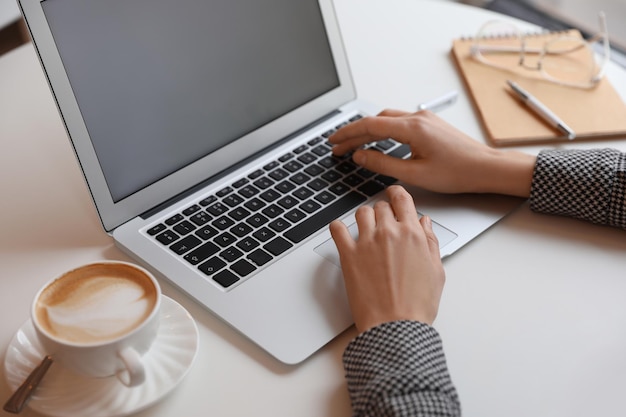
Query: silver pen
[[440, 102], [541, 110]]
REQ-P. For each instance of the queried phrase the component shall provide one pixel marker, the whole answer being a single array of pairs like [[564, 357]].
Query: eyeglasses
[[565, 60]]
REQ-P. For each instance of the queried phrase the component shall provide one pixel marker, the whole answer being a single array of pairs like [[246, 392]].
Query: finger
[[384, 213], [402, 204], [403, 169], [431, 238], [341, 235], [369, 129], [393, 113], [365, 220]]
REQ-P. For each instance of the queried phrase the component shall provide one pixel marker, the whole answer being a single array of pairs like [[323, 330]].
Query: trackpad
[[328, 250]]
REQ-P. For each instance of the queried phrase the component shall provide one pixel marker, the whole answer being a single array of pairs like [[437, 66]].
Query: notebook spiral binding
[[528, 34]]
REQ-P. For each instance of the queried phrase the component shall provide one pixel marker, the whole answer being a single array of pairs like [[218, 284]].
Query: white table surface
[[533, 316], [9, 13]]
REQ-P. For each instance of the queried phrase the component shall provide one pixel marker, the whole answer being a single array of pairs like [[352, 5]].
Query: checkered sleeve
[[585, 184], [399, 369]]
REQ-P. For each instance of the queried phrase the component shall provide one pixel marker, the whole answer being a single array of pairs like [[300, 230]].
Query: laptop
[[201, 128]]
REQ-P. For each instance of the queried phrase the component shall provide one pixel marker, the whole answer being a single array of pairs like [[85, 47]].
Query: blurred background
[[550, 14]]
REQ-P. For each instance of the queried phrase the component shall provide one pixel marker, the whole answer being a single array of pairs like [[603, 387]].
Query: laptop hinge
[[227, 171]]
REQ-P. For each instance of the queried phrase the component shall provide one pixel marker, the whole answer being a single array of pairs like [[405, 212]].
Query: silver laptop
[[201, 130]]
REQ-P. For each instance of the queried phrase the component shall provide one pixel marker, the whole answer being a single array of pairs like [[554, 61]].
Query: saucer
[[64, 393]]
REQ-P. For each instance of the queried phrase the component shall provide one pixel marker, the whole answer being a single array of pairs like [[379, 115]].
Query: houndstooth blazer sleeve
[[585, 184], [399, 369]]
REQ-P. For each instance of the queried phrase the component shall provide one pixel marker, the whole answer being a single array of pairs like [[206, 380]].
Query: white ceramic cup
[[100, 319]]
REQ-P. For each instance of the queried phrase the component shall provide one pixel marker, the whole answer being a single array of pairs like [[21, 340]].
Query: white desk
[[9, 13], [533, 315]]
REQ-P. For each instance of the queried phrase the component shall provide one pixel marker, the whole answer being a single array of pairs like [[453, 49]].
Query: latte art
[[96, 305]]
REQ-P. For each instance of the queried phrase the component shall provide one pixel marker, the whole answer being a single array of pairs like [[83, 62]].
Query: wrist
[[509, 173]]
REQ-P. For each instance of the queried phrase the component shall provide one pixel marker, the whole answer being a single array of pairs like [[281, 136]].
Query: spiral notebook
[[592, 113]]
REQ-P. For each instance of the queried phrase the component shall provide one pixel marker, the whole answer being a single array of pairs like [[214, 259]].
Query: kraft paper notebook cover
[[592, 113]]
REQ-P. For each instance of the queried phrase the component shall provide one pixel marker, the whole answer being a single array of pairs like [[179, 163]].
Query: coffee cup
[[99, 319]]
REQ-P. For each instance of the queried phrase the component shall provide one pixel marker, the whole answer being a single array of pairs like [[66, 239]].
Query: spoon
[[18, 400]]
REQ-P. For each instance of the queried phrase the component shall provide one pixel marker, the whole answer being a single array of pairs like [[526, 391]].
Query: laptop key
[[279, 174], [247, 244], [256, 174], [321, 150], [254, 204], [288, 202], [212, 265], [299, 178], [314, 170], [224, 191], [200, 218], [231, 254], [257, 220], [260, 257], [303, 193], [156, 229], [325, 197], [240, 183], [184, 227], [272, 211], [225, 278], [201, 253], [225, 239], [271, 166], [317, 184], [401, 151], [371, 188], [315, 141], [242, 267], [264, 234], [217, 209], [263, 183], [223, 222], [331, 176], [285, 186], [300, 149], [293, 166], [239, 213], [206, 232], [295, 215], [339, 188], [279, 224], [185, 244], [320, 219], [248, 191], [191, 210], [307, 158], [353, 180], [270, 195], [387, 180], [233, 200], [310, 206], [241, 229], [277, 246], [174, 219], [209, 200]]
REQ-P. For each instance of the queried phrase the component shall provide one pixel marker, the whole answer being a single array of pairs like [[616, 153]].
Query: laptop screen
[[162, 83]]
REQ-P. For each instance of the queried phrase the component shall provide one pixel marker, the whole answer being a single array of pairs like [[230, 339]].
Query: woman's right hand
[[443, 159]]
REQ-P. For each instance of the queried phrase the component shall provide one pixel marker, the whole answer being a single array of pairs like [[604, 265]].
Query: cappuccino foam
[[96, 303]]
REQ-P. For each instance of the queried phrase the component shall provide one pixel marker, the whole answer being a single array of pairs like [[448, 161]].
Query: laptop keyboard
[[242, 227]]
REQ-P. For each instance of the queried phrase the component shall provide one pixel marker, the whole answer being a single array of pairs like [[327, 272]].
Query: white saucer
[[64, 393]]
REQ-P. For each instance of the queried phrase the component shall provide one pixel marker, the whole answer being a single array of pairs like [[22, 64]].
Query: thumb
[[384, 164]]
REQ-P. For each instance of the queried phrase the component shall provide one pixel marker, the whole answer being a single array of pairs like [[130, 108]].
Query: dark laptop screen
[[162, 83]]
